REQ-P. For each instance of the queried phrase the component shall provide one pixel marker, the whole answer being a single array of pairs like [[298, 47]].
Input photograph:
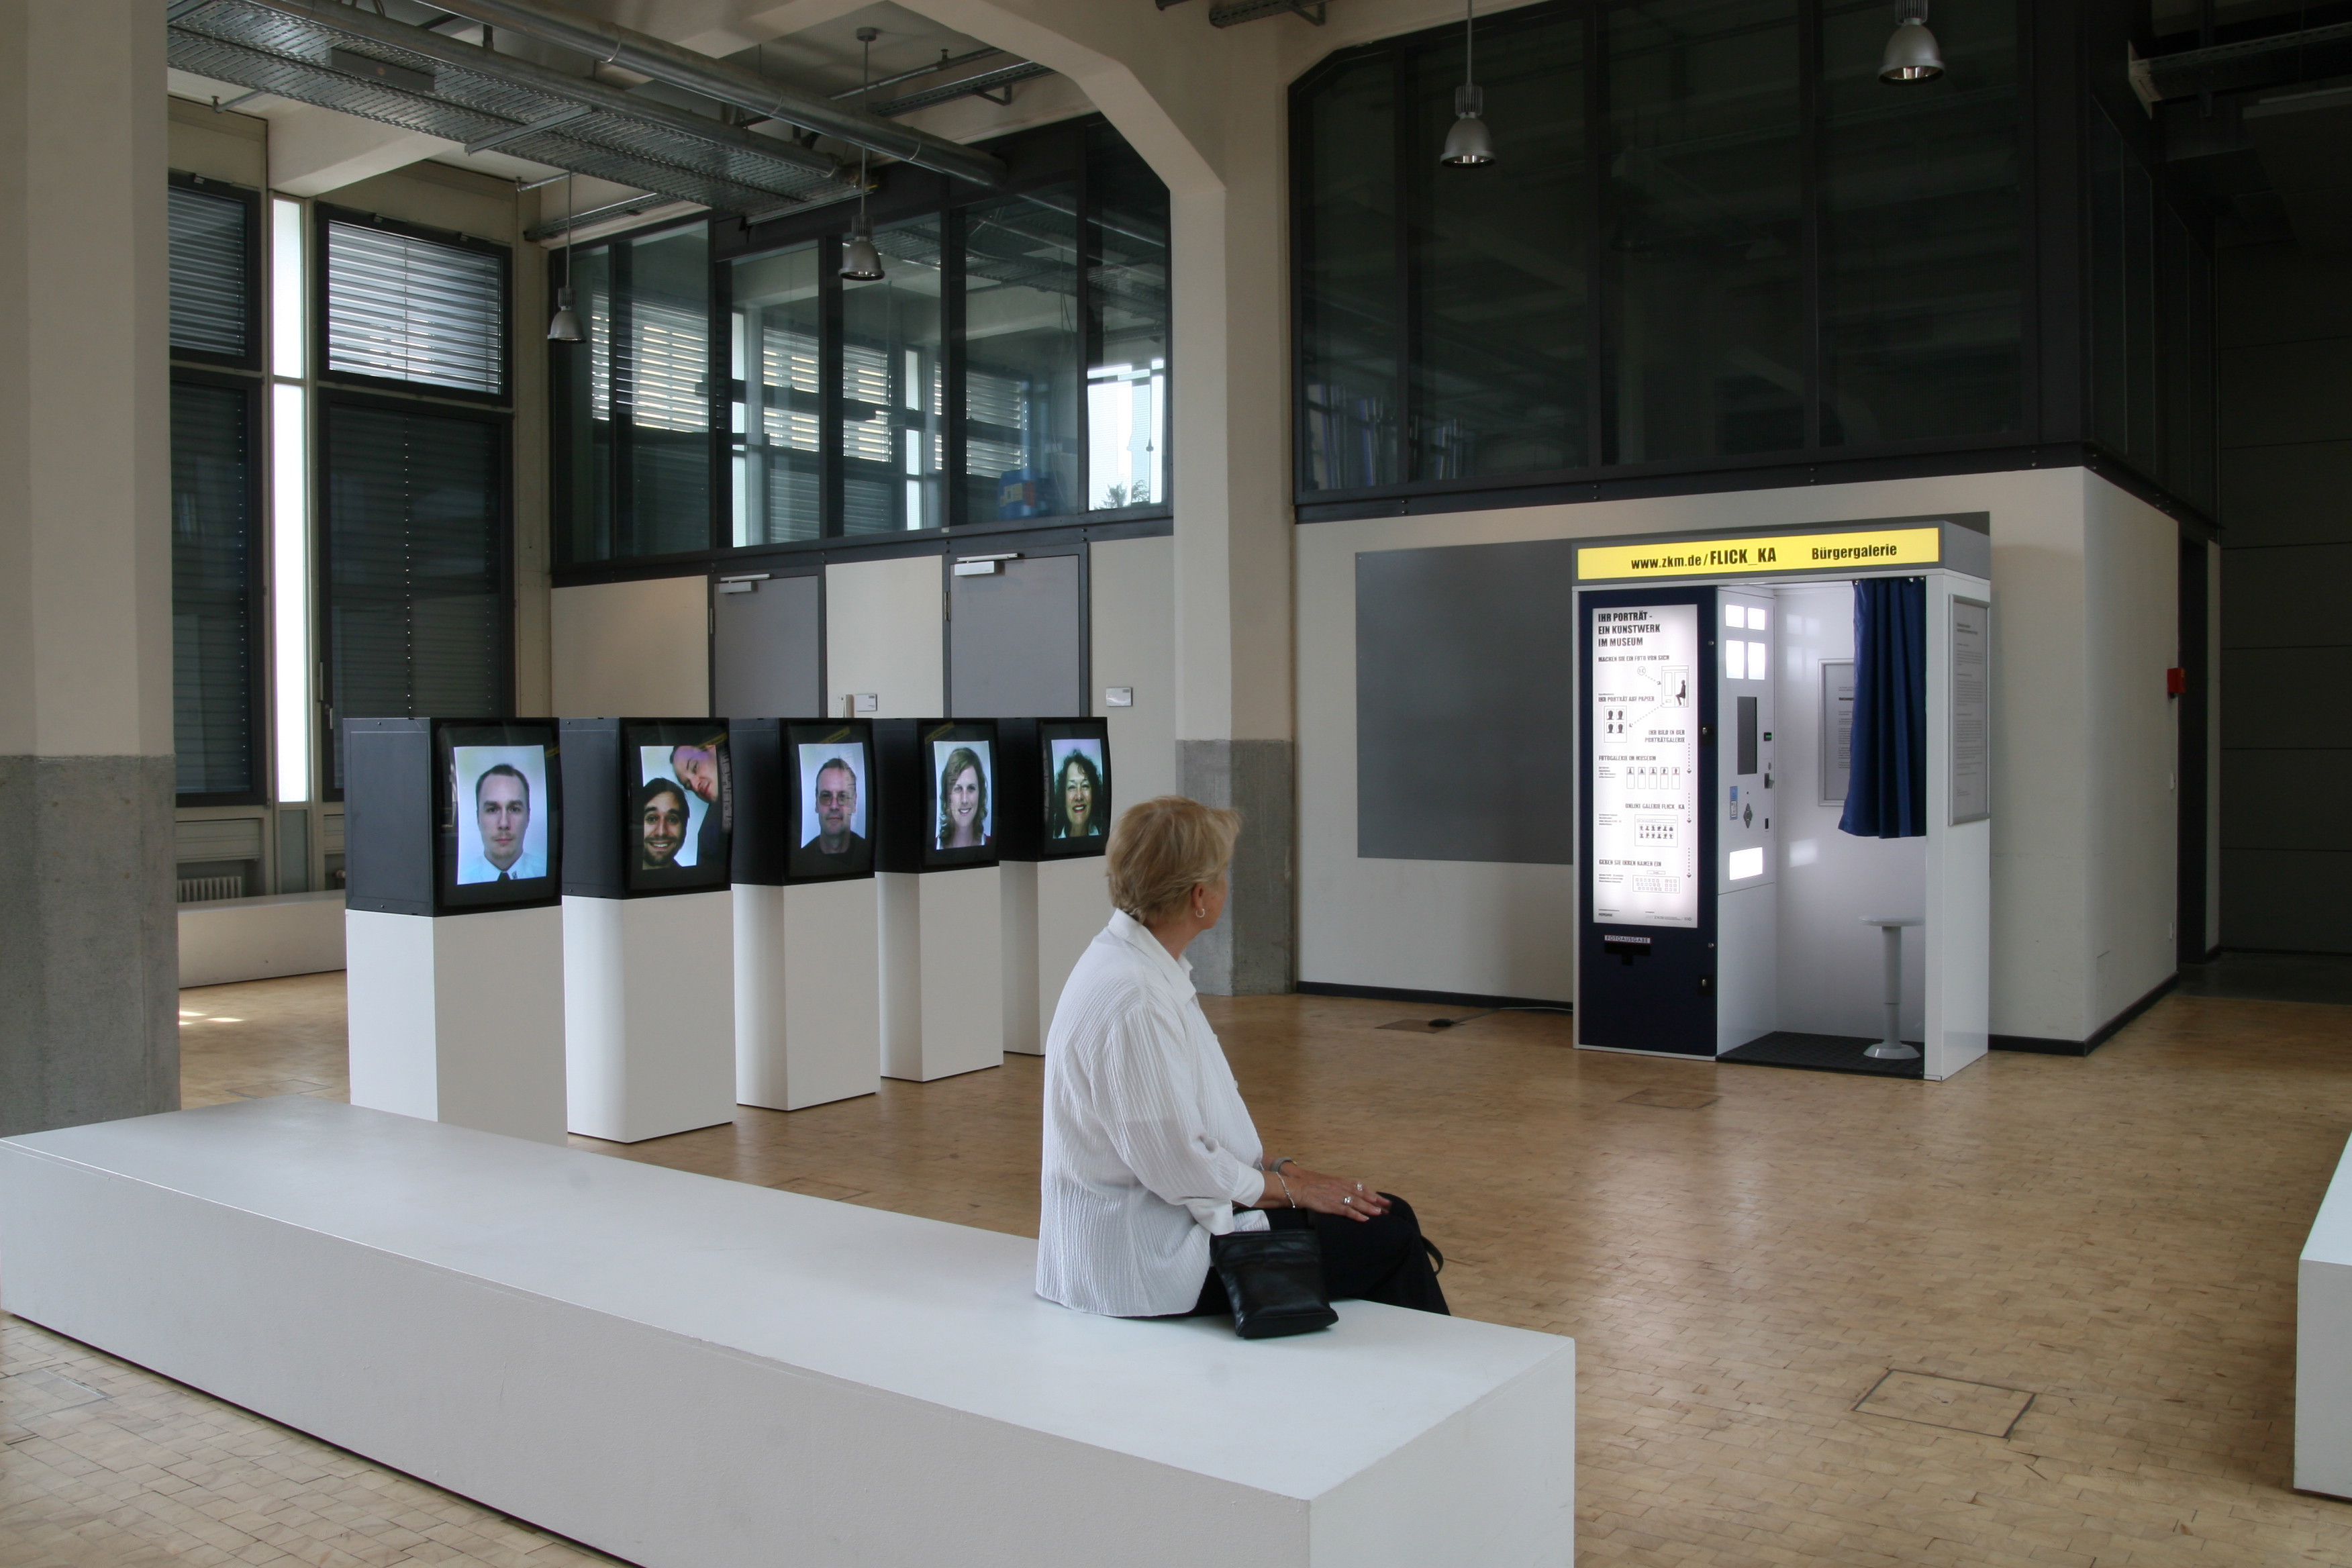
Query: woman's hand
[[1324, 1195]]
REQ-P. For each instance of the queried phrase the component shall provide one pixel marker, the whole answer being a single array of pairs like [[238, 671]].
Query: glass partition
[[893, 383], [777, 411], [1022, 348]]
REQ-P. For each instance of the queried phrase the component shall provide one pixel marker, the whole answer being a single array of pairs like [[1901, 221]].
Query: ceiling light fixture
[[860, 262], [565, 326], [1467, 145], [1911, 53]]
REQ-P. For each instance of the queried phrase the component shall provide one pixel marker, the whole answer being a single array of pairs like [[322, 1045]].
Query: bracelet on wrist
[[1286, 1185]]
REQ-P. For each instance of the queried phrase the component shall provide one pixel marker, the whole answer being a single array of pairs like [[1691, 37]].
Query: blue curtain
[[1886, 795]]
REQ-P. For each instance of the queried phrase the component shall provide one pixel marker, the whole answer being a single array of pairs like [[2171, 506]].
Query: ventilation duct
[[682, 67], [466, 94]]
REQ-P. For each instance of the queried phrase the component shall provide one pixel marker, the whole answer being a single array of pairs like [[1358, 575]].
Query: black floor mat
[[1820, 1053]]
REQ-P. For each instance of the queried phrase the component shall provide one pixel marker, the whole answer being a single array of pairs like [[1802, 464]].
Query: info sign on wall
[[1644, 717]]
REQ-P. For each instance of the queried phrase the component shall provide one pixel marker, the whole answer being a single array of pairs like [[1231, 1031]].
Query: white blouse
[[1147, 1144]]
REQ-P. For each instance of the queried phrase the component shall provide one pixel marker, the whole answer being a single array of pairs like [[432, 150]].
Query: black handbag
[[1275, 1280]]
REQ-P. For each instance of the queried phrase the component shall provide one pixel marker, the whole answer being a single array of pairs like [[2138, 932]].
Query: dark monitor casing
[[910, 807], [399, 817], [599, 785]]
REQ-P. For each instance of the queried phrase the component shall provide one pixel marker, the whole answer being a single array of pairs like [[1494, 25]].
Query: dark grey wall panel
[[767, 650], [2286, 495], [1464, 705], [2284, 319], [2278, 799], [2286, 901], [2292, 596], [2286, 697], [2285, 392], [2280, 293], [1015, 642]]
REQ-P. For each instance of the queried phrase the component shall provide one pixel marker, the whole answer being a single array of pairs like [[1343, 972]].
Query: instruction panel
[[1644, 718]]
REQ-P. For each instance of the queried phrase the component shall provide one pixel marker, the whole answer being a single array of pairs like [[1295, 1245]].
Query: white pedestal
[[942, 972], [1023, 1030], [2323, 1345], [648, 1014], [688, 1373], [1073, 906], [459, 1018], [808, 994]]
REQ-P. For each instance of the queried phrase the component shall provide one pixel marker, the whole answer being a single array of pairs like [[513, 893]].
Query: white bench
[[688, 1372], [229, 939], [2323, 1345]]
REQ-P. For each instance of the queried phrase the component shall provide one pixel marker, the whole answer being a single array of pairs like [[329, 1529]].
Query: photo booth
[[939, 897], [453, 938], [1055, 901], [648, 927], [1785, 816], [808, 965]]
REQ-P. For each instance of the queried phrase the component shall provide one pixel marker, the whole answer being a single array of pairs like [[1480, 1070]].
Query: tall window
[[216, 537], [1010, 364], [1711, 233], [1021, 357], [412, 485], [778, 367], [635, 456], [1923, 259], [413, 531], [1127, 329], [411, 310], [893, 383], [214, 591], [215, 273]]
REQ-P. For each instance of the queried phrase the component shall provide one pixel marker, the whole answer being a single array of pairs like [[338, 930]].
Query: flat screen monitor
[[499, 813], [1076, 757], [958, 766], [829, 768], [680, 804]]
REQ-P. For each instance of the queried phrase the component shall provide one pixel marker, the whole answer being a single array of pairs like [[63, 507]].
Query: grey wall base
[[89, 967], [1253, 951]]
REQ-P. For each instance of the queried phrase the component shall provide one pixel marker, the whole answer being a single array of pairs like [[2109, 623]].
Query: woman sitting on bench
[[1149, 1149]]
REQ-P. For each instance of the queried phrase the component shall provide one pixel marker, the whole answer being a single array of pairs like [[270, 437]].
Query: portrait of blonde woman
[[1149, 1149]]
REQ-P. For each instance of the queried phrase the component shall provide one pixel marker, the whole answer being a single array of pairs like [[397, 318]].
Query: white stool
[[1892, 1049]]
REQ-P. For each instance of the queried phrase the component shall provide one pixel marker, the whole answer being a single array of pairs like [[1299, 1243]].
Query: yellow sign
[[1738, 557]]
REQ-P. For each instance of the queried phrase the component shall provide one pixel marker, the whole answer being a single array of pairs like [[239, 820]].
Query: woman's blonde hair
[[1163, 850]]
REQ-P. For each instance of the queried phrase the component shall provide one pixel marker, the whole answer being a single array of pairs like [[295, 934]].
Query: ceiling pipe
[[523, 73], [682, 67]]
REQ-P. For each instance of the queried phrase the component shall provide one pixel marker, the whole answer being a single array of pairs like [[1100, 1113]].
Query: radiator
[[200, 890]]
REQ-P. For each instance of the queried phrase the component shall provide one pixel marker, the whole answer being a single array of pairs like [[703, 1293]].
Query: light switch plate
[[1118, 696]]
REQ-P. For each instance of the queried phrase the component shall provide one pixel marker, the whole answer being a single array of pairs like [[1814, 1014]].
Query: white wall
[[1133, 616], [2132, 554], [637, 650], [885, 632], [1507, 930]]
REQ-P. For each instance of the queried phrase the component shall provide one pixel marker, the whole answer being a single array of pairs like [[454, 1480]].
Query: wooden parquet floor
[[1742, 1255]]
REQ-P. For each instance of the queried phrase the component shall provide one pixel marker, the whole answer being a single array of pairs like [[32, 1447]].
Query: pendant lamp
[[1911, 53], [1468, 144], [860, 262], [565, 326]]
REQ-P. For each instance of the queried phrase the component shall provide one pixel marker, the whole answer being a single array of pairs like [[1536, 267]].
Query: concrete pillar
[[1234, 602], [89, 961]]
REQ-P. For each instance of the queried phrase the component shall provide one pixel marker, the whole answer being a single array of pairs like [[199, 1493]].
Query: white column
[[89, 963]]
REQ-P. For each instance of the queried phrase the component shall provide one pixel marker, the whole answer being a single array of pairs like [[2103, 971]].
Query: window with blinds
[[414, 503], [215, 276], [214, 551], [404, 307]]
